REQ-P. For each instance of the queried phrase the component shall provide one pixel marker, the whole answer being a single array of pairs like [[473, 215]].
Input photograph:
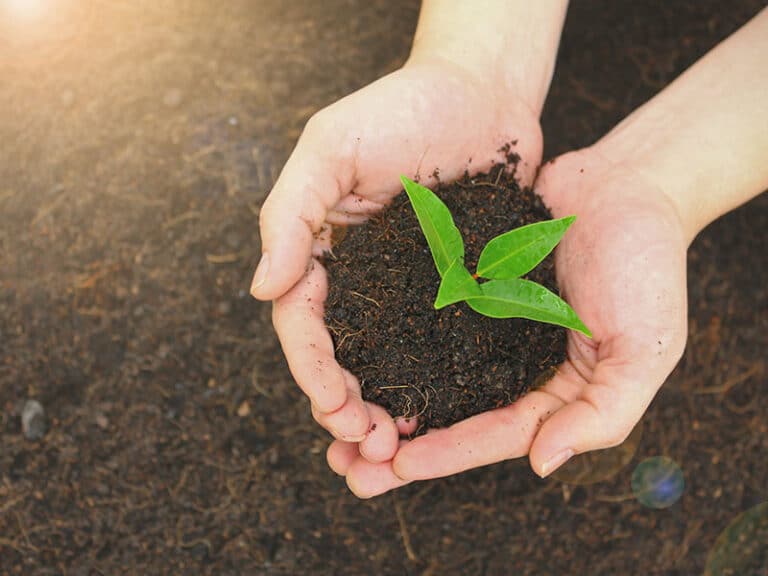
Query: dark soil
[[440, 365], [134, 156]]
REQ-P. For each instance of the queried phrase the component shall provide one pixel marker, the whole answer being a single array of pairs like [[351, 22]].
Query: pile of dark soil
[[440, 365]]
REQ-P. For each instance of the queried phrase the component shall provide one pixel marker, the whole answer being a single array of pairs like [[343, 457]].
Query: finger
[[353, 209], [340, 456], [298, 321], [318, 173], [322, 241], [483, 439], [345, 218], [352, 421], [406, 426], [366, 479], [380, 444], [603, 416]]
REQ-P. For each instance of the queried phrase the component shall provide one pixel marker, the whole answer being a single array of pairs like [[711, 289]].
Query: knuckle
[[318, 417], [678, 347], [329, 401], [354, 486], [267, 209], [326, 134], [278, 308], [613, 419], [320, 123], [615, 435]]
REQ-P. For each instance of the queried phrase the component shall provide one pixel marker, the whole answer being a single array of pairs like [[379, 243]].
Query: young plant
[[503, 260]]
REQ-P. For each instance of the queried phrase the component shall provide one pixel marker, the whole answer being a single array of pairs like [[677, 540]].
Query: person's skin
[[641, 194], [476, 79]]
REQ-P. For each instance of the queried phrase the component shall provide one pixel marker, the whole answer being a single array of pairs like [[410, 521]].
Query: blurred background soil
[[137, 142]]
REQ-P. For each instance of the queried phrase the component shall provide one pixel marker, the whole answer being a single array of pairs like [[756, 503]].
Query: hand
[[432, 113], [641, 195], [622, 268]]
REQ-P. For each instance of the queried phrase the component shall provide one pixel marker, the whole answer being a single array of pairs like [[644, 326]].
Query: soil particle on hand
[[440, 365]]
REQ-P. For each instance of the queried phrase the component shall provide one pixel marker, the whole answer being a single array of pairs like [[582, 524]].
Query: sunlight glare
[[23, 9]]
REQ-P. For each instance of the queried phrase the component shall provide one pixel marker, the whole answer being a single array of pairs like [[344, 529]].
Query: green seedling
[[502, 262]]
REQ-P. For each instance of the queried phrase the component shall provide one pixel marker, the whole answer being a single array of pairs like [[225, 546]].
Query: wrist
[[498, 91], [501, 83], [702, 140], [510, 46], [649, 144]]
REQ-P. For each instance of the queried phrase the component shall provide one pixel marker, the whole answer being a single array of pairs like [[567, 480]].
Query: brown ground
[[137, 141]]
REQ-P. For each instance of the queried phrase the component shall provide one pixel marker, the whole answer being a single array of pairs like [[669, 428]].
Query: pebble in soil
[[34, 424], [440, 365]]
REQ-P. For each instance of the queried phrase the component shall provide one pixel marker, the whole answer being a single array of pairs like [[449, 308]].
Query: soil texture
[[446, 365], [133, 161]]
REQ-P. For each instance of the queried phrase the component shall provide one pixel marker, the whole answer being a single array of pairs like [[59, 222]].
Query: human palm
[[622, 267], [430, 115]]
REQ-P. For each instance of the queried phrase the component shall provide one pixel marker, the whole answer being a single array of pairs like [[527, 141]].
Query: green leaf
[[516, 298], [520, 250], [436, 222], [457, 285]]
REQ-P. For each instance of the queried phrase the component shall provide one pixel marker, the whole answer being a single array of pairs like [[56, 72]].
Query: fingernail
[[555, 462], [260, 276]]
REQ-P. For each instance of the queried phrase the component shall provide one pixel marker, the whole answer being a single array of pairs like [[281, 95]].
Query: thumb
[[316, 176], [602, 416]]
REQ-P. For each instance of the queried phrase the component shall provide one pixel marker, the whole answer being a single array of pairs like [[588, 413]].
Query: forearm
[[512, 41], [704, 139]]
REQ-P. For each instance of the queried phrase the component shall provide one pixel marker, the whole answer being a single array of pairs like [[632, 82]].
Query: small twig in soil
[[731, 382], [10, 503], [190, 215], [256, 386], [11, 544], [182, 544], [368, 366], [691, 535], [365, 298], [24, 533], [475, 184], [226, 258], [345, 336], [426, 402], [408, 406], [404, 530], [738, 408], [342, 332], [614, 499], [91, 280], [174, 492], [48, 208]]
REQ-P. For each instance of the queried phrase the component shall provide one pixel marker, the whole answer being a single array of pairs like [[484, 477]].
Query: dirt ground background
[[137, 142]]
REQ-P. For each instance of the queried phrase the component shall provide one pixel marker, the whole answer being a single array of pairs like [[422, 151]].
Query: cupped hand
[[431, 114], [622, 266]]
